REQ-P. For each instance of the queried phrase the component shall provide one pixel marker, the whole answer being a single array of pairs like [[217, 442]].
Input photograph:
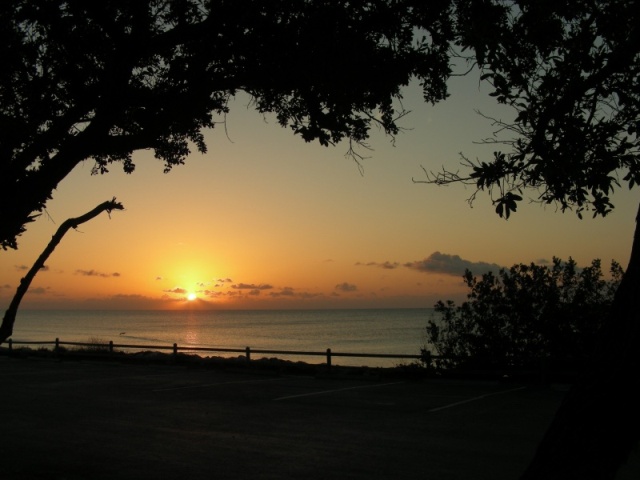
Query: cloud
[[176, 290], [39, 290], [346, 287], [386, 265], [215, 294], [44, 268], [95, 273], [450, 265], [159, 278], [130, 296], [291, 292], [251, 286], [284, 292], [307, 295]]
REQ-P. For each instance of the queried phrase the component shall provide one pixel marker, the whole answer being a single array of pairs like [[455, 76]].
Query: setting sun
[[191, 297]]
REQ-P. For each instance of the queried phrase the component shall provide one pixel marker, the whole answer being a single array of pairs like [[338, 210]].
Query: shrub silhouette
[[524, 314]]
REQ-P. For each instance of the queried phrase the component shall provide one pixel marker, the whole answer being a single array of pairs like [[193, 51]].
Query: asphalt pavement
[[110, 420]]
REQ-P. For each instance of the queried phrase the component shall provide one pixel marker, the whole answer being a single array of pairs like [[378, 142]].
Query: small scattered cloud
[[251, 286], [386, 265], [308, 295], [284, 292], [176, 290], [24, 268], [95, 273], [211, 293], [346, 287], [450, 265], [290, 292], [39, 290]]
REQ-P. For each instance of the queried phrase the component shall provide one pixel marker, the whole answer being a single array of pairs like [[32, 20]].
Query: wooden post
[[10, 344], [426, 359], [175, 350], [57, 347], [248, 354], [328, 357], [110, 347]]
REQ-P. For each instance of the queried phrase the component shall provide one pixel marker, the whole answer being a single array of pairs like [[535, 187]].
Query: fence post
[[328, 357], [110, 347], [426, 359], [175, 350], [57, 347], [10, 344], [248, 354]]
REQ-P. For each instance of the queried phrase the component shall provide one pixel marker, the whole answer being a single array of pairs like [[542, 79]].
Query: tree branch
[[6, 329]]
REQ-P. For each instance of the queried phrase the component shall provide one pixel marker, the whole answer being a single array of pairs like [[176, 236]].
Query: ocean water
[[381, 331]]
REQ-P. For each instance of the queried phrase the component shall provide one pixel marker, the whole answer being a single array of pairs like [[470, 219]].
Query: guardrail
[[175, 349], [537, 367]]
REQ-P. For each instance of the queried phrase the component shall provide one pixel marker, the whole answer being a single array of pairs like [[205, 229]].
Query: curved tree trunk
[[6, 329], [598, 423]]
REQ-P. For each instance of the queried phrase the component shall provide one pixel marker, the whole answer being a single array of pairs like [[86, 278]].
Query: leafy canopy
[[525, 312], [99, 80], [570, 69]]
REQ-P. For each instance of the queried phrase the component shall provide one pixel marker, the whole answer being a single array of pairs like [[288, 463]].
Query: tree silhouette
[[516, 316], [571, 71], [99, 80], [6, 328]]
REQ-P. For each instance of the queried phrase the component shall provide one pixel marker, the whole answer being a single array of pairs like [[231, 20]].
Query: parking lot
[[105, 420]]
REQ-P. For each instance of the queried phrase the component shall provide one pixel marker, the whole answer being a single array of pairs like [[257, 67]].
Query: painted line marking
[[205, 385], [480, 397], [325, 392]]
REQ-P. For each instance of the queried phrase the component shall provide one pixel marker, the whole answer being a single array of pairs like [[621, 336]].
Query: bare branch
[[6, 329]]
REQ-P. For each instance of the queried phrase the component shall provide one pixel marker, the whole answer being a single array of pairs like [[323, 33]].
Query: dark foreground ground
[[87, 419]]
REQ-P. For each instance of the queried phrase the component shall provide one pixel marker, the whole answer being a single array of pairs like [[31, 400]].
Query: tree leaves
[[507, 204], [102, 79], [526, 311], [570, 71]]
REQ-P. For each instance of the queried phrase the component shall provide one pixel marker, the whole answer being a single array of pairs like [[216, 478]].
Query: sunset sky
[[264, 220]]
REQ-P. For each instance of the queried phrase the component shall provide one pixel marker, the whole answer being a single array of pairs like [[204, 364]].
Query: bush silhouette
[[523, 314]]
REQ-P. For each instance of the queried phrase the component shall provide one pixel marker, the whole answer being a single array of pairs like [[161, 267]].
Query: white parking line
[[469, 400], [324, 392], [205, 385]]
